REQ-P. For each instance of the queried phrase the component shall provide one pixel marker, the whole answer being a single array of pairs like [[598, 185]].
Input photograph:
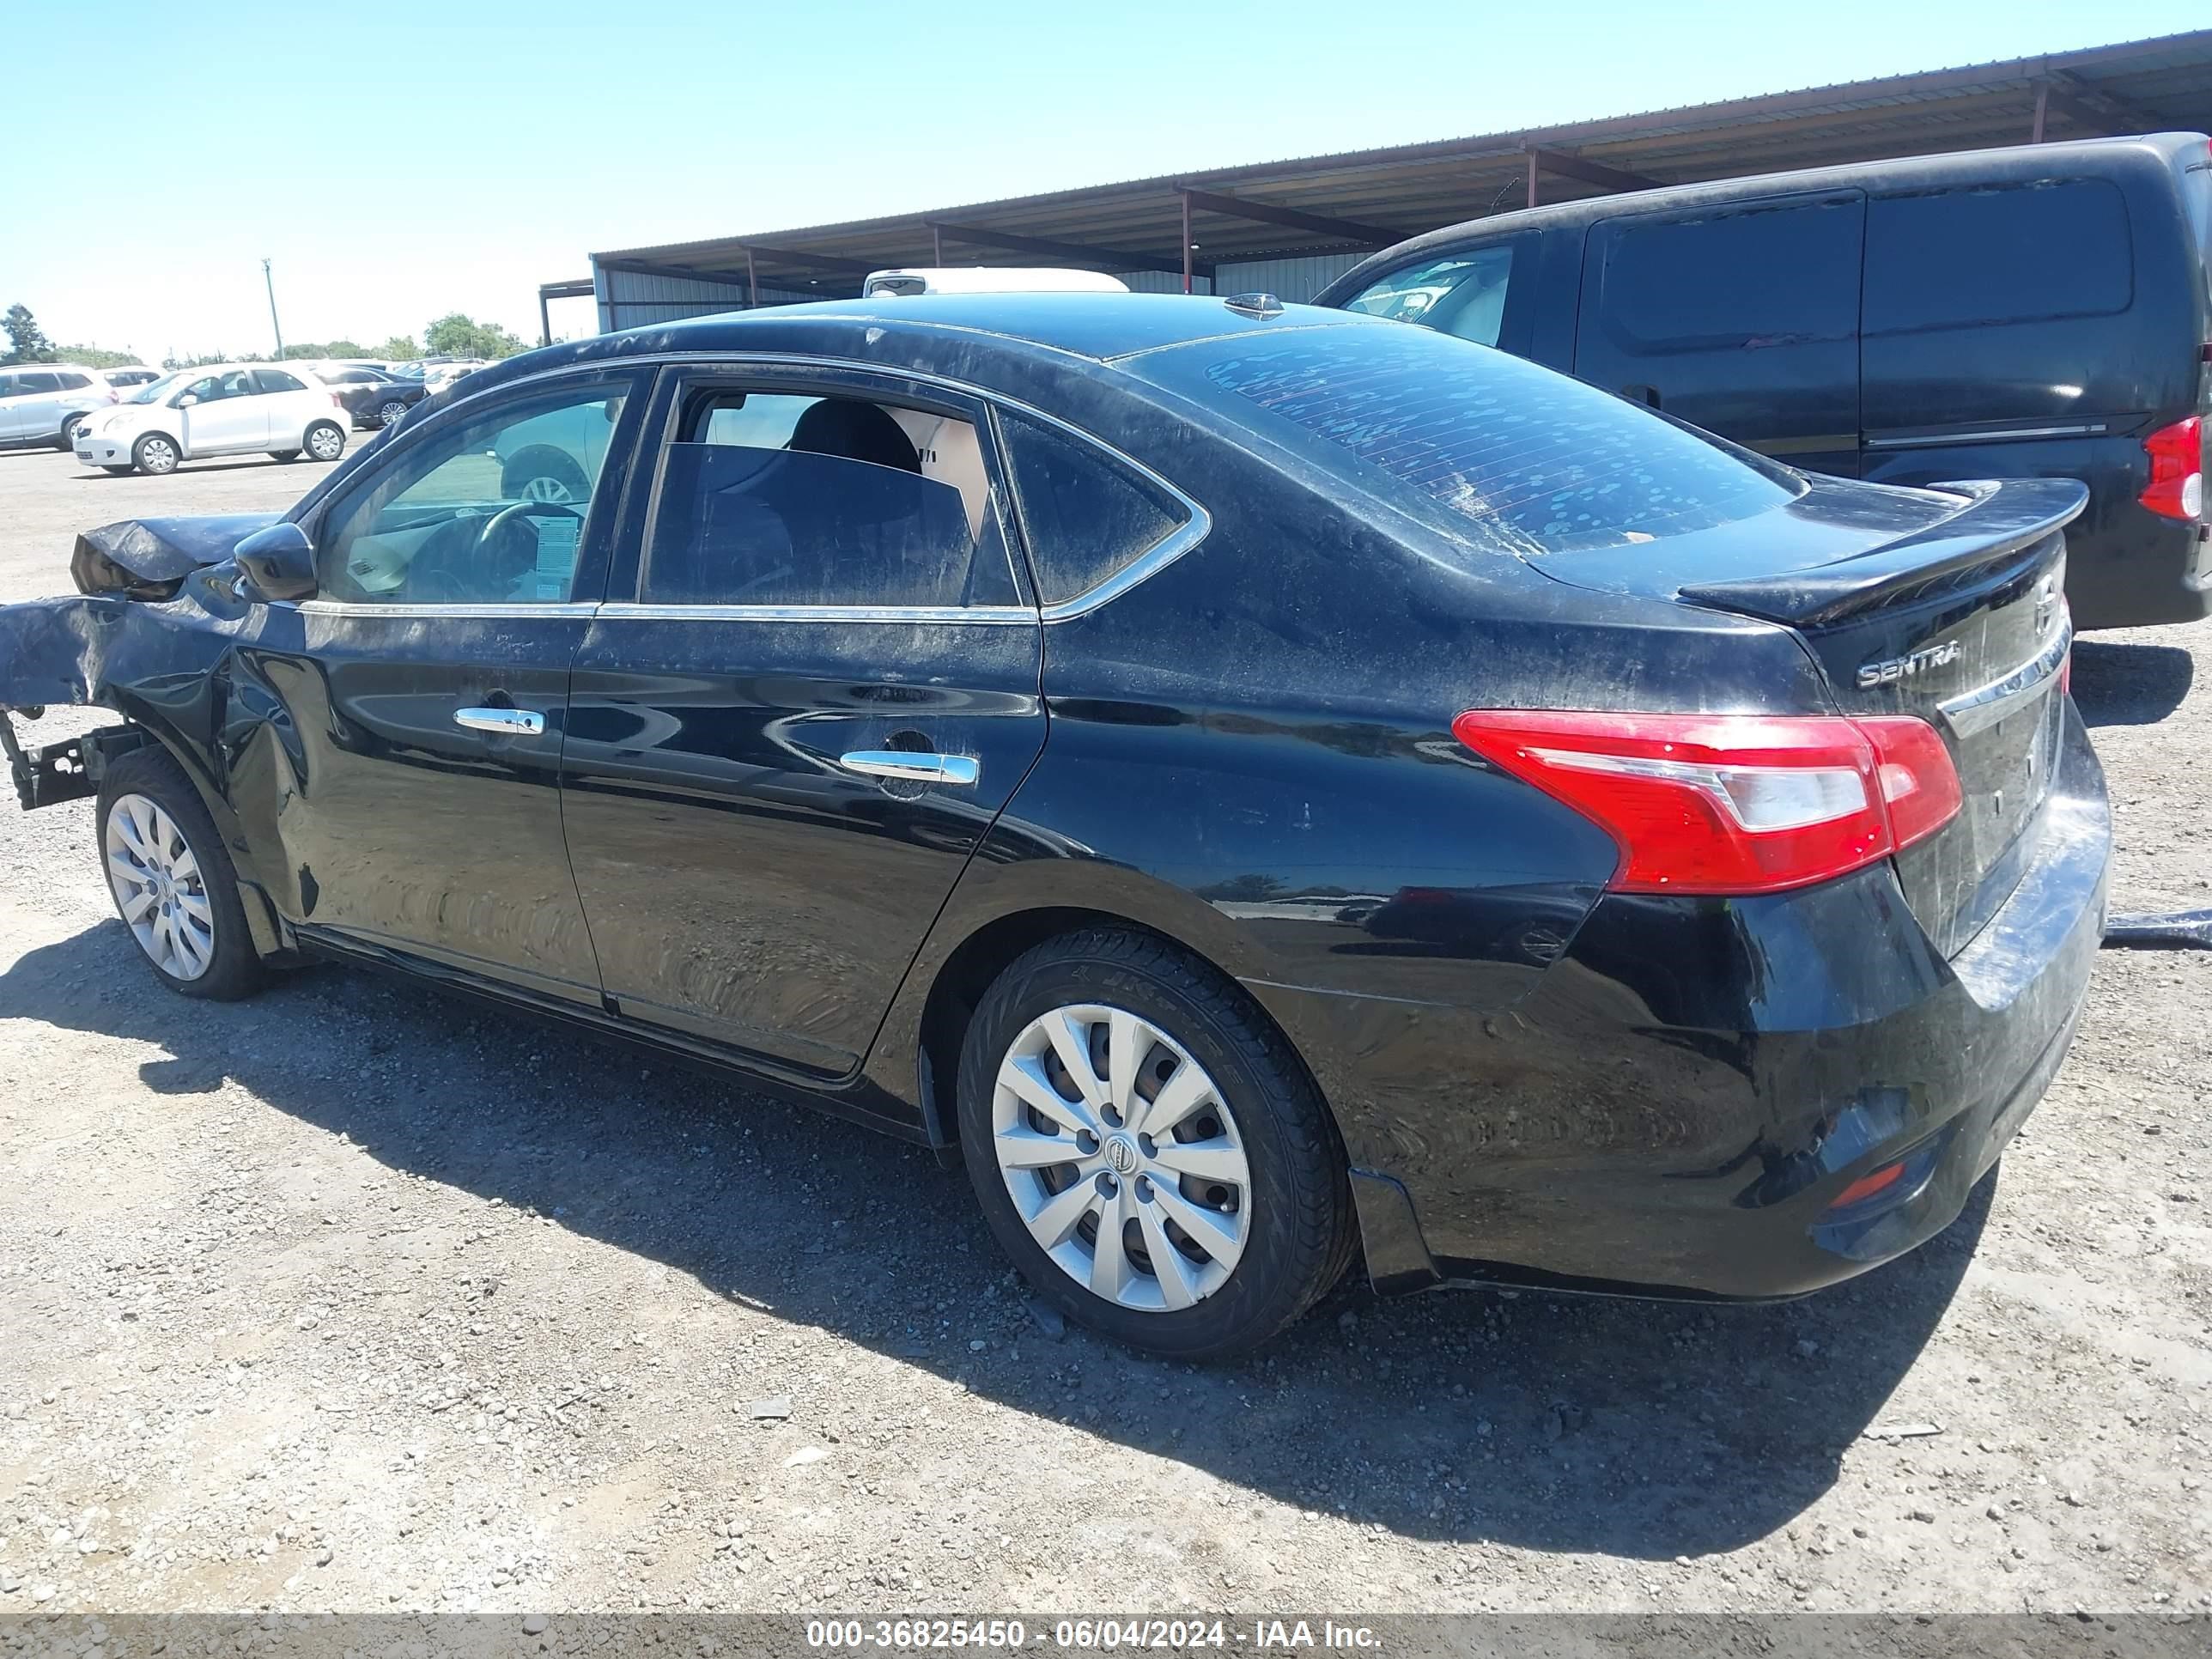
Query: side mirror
[[278, 563], [184, 400]]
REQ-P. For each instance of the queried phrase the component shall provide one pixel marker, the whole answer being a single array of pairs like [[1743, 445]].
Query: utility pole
[[276, 327]]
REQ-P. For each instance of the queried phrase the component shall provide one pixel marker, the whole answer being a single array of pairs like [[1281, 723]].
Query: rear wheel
[[1147, 1149], [155, 455], [327, 441], [171, 879], [391, 412]]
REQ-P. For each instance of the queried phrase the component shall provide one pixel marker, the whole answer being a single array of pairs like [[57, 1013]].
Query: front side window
[[1461, 294], [40, 380], [488, 510], [1739, 277], [793, 500]]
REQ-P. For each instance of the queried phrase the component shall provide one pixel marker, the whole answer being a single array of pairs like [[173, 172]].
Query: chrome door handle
[[507, 722], [914, 768]]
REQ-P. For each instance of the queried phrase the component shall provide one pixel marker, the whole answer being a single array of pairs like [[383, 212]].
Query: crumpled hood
[[149, 558]]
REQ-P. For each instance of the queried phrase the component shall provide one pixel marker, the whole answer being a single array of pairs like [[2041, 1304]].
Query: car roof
[[937, 333]]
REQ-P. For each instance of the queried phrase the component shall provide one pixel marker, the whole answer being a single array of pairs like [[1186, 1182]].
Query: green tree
[[330, 349], [456, 335], [399, 349], [92, 356], [26, 341]]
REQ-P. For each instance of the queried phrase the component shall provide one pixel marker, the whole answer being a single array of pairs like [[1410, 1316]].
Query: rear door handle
[[914, 768], [507, 722]]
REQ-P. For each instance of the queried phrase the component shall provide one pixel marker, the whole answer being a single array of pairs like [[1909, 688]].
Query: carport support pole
[[936, 247], [2042, 109], [1185, 240], [1532, 179], [545, 320], [752, 283]]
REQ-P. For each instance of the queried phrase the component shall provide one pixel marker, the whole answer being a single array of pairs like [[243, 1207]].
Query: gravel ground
[[354, 1297]]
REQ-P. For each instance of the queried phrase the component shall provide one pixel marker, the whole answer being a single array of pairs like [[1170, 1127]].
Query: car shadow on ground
[[1642, 1429], [2127, 684]]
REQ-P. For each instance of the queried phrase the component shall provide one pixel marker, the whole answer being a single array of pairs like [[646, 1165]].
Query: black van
[[2028, 313]]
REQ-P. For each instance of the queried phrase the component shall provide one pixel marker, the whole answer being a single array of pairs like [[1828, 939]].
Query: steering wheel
[[496, 526]]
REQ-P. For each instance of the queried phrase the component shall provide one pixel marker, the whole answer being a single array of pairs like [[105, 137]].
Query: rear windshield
[[1515, 457]]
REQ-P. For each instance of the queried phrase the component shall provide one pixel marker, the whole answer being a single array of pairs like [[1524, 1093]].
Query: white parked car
[[39, 402], [226, 409], [128, 377]]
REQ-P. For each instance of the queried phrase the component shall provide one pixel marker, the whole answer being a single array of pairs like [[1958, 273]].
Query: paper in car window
[[556, 558]]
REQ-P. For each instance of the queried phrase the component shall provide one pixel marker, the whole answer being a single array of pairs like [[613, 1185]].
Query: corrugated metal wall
[[1294, 281], [630, 299]]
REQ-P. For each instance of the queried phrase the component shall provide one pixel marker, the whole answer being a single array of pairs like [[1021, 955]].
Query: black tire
[[156, 455], [331, 434], [235, 970], [70, 423], [1301, 1234], [119, 472], [283, 454], [390, 412], [541, 463]]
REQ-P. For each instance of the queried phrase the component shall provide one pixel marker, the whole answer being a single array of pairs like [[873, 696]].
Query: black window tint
[[1958, 257], [278, 379], [40, 382], [1531, 460], [1086, 515], [738, 525], [73, 382], [1748, 275]]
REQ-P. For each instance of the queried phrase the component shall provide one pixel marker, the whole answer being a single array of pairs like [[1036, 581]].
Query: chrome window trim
[[1985, 705], [1937, 440], [989, 616], [1162, 554], [459, 612]]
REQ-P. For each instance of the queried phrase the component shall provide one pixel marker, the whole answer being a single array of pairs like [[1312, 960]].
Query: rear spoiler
[[2000, 521]]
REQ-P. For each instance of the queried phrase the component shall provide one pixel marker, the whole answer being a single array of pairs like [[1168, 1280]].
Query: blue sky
[[399, 159]]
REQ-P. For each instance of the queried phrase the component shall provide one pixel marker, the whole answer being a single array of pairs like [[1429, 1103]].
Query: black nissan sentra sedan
[[1258, 785]]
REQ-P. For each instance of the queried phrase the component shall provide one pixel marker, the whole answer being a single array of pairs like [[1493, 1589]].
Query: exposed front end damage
[[155, 613]]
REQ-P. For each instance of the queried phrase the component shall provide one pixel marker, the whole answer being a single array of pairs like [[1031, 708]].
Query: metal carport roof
[[1368, 198]]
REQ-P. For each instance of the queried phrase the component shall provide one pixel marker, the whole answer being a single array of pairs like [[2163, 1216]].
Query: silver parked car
[[40, 403]]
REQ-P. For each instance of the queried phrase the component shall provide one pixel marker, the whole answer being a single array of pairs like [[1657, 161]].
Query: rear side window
[[72, 382], [1515, 457], [1953, 259], [1762, 275], [276, 380], [40, 382], [781, 499], [1087, 516]]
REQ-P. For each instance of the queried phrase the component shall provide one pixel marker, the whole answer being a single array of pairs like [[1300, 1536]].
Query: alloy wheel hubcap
[[547, 490], [159, 456], [159, 887], [392, 414], [323, 445], [1121, 1157]]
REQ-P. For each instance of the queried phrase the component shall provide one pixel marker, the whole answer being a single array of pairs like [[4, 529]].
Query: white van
[[988, 279]]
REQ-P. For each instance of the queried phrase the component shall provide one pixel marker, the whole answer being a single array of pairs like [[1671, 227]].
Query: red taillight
[[2176, 489], [1730, 803], [335, 402]]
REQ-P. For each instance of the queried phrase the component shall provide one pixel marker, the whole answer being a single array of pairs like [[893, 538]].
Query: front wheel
[[1147, 1149], [325, 441], [171, 879], [390, 413], [156, 455]]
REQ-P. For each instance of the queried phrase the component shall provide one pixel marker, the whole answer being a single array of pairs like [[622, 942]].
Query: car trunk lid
[[1947, 605]]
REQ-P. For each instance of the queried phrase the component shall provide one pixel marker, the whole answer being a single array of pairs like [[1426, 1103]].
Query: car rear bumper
[[1679, 1105]]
